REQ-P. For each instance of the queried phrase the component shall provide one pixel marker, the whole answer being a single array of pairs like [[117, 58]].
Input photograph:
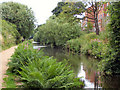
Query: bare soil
[[4, 59]]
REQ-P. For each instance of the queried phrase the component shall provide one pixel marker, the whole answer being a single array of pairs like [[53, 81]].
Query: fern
[[48, 73]]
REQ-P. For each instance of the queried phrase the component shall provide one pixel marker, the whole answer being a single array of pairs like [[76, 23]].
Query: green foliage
[[9, 81], [111, 63], [21, 55], [56, 32], [20, 15], [9, 35], [69, 8], [89, 44], [57, 10], [48, 73], [38, 71], [89, 27]]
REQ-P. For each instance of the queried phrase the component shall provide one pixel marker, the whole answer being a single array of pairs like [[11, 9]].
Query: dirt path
[[4, 56]]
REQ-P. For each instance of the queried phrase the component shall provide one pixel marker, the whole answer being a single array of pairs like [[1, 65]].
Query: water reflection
[[82, 73], [85, 67], [111, 82]]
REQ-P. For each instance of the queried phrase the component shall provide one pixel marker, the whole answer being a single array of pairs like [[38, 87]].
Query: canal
[[84, 67]]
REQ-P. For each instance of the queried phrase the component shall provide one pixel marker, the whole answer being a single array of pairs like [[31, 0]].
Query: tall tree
[[57, 10], [79, 8], [92, 14], [113, 64], [68, 10], [20, 15], [10, 36]]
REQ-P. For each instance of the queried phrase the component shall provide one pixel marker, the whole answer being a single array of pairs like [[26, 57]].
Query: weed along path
[[4, 59]]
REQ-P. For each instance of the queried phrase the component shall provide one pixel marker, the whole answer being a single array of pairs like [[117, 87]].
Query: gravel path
[[4, 59]]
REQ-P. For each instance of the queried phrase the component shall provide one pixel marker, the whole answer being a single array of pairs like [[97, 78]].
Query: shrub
[[20, 15], [9, 81], [56, 32], [9, 35], [111, 63], [74, 45], [81, 44], [88, 44], [21, 55], [38, 71], [47, 73]]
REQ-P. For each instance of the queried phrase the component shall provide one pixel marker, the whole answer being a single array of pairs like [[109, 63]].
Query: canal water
[[86, 68]]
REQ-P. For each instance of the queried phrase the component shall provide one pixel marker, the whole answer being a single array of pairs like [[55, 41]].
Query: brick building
[[102, 17]]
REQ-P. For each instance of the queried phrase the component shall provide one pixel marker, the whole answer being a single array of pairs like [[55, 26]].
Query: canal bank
[[84, 67]]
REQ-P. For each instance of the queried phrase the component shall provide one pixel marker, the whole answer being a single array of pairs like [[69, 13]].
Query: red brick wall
[[101, 16]]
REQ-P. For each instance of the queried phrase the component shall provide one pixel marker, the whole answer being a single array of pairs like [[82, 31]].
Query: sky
[[41, 8]]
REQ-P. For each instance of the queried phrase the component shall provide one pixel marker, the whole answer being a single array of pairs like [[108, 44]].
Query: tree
[[57, 10], [68, 10], [111, 62], [114, 62], [93, 12], [79, 8], [56, 32], [10, 36], [20, 15]]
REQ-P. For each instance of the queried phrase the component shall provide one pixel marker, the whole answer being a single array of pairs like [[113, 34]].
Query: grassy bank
[[90, 44], [31, 69]]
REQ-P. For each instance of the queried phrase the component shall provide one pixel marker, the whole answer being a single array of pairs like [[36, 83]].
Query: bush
[[20, 15], [21, 55], [56, 32], [74, 45], [47, 73], [9, 35], [89, 44], [111, 63], [81, 44], [38, 71]]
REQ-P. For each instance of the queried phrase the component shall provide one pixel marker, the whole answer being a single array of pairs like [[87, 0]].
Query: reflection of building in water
[[89, 74], [92, 76]]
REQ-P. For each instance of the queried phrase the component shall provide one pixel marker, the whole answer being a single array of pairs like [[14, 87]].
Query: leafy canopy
[[9, 35], [68, 10], [57, 32], [20, 15], [111, 63]]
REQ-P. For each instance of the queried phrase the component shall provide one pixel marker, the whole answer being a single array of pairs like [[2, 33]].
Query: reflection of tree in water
[[111, 82], [89, 66], [59, 54]]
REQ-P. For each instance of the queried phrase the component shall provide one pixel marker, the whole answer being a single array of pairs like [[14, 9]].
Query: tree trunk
[[96, 26], [96, 19]]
